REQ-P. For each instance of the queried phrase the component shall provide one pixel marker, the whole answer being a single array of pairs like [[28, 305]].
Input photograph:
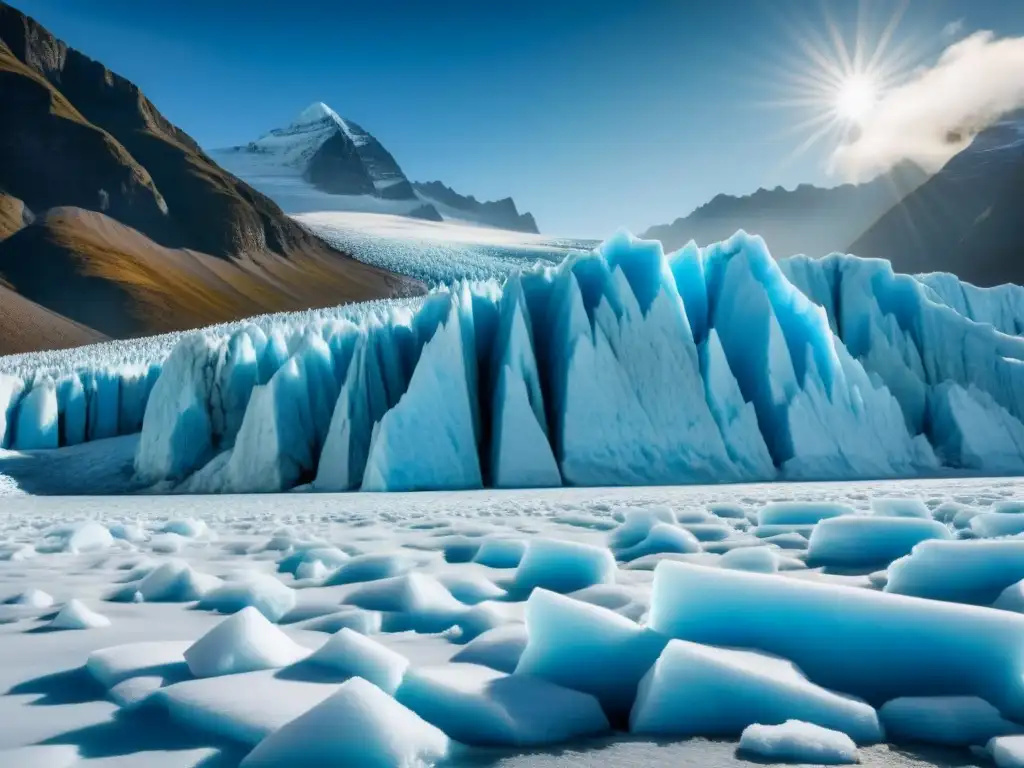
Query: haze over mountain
[[113, 218], [322, 161], [966, 219], [811, 220]]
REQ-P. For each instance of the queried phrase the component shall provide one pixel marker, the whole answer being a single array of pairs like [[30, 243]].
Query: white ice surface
[[53, 700], [435, 252]]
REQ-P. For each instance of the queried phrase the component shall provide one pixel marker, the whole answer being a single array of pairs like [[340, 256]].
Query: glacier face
[[620, 366]]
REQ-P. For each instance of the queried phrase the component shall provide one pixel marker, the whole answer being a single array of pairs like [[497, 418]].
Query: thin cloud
[[953, 29], [939, 110]]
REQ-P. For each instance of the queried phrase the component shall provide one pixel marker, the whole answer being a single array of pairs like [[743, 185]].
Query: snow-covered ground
[[428, 596], [438, 252]]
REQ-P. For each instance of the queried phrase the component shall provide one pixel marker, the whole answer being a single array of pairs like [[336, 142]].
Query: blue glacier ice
[[588, 648], [563, 566], [862, 540], [428, 439], [521, 452], [700, 690], [350, 654], [71, 405], [619, 366], [360, 725], [11, 390], [800, 512], [868, 644], [971, 571], [37, 425]]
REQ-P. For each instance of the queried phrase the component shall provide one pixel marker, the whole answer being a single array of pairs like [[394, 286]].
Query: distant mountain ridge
[[811, 220], [502, 212], [113, 218], [966, 219], [347, 168]]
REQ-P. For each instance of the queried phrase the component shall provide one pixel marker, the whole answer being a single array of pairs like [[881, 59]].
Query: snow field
[[400, 623]]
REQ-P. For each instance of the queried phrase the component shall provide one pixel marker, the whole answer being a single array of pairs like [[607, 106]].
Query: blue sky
[[592, 115]]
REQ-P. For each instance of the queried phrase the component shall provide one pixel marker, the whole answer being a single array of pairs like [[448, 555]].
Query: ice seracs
[[78, 538], [614, 345], [499, 648], [175, 582], [881, 646], [969, 571], [246, 707], [351, 654], [357, 725], [251, 590], [587, 648], [563, 566], [77, 615], [521, 455], [480, 706], [37, 425], [244, 642], [619, 366], [699, 690], [861, 540]]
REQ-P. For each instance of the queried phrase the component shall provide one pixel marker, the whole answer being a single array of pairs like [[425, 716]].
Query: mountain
[[332, 154], [324, 162], [811, 220], [115, 219], [966, 219], [502, 213]]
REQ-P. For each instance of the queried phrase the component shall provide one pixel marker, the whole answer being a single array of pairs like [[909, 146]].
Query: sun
[[855, 98], [834, 77]]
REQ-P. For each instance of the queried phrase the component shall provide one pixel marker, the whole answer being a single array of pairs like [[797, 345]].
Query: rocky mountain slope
[[811, 220], [115, 218], [966, 219]]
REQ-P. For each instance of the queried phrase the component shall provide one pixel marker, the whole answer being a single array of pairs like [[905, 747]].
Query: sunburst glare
[[855, 98], [836, 73]]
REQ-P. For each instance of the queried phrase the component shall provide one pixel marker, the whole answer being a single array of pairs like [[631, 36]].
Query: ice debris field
[[822, 624], [620, 366], [437, 253]]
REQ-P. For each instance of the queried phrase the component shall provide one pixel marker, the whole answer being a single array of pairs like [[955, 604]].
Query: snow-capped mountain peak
[[316, 112], [323, 161], [295, 145]]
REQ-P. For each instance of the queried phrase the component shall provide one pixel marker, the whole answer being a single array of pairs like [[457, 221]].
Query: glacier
[[618, 366]]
